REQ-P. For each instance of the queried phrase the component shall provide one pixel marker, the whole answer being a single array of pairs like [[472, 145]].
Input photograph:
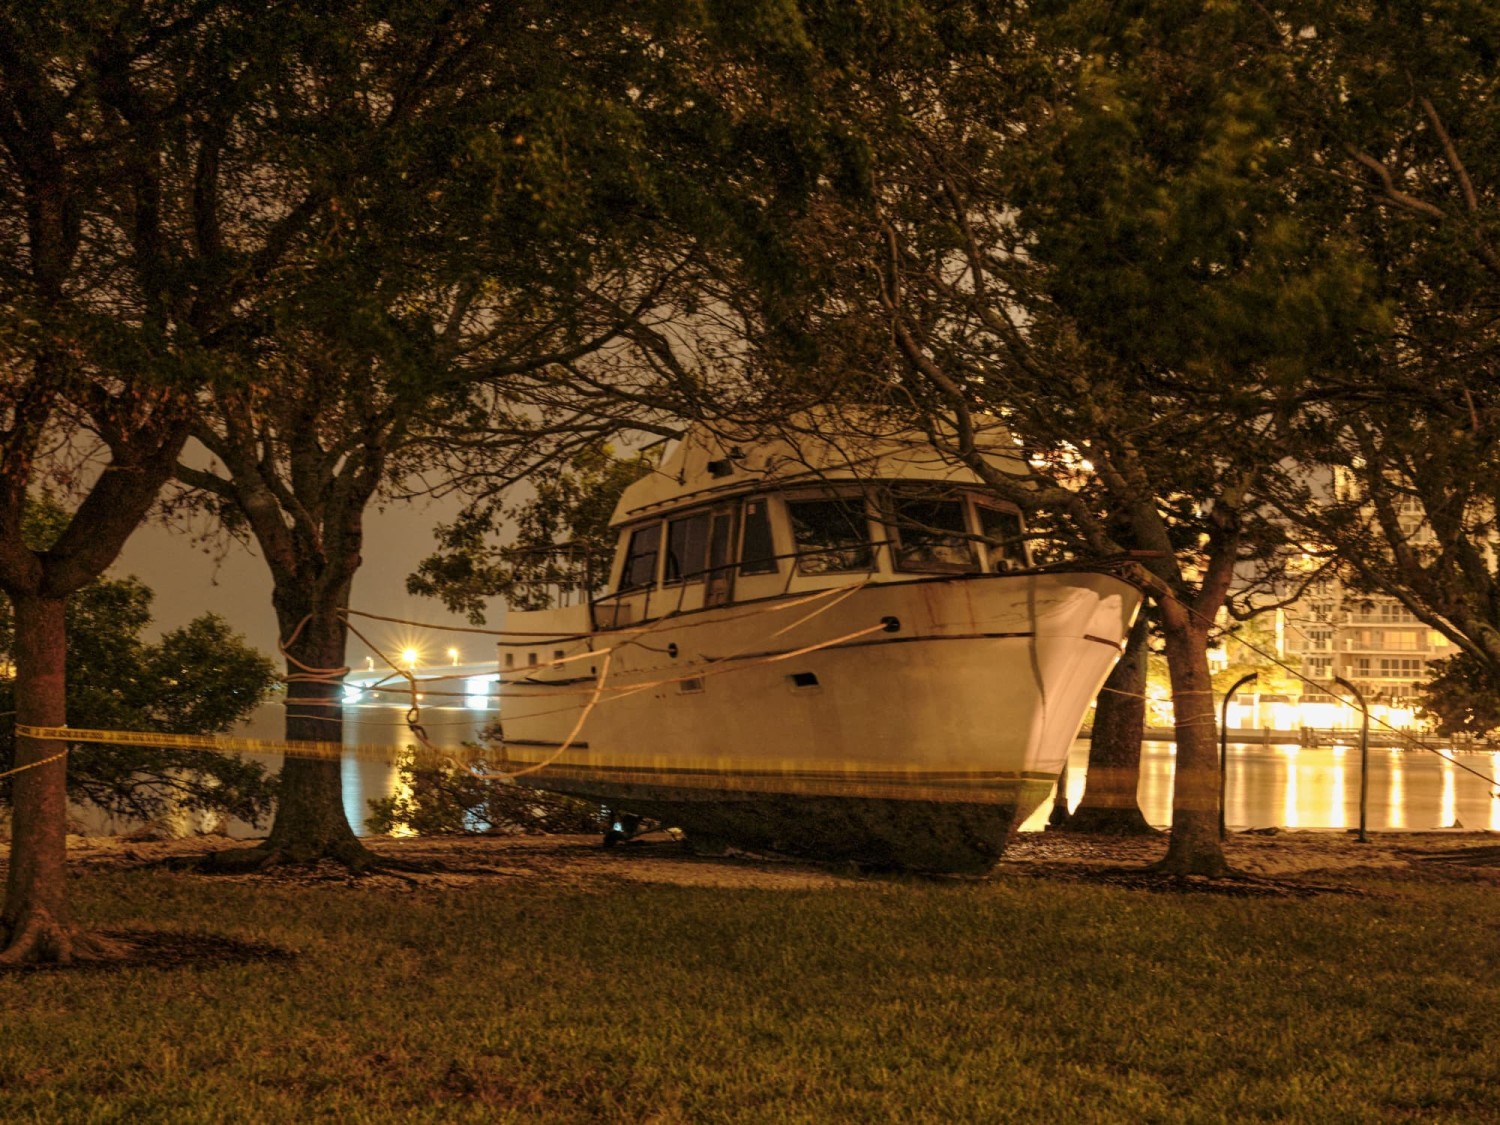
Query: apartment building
[[1371, 640]]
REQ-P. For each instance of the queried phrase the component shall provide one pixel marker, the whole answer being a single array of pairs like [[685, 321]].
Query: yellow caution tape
[[182, 741], [568, 766], [292, 748]]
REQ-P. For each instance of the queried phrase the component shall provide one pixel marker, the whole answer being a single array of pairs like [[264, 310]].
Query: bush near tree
[[442, 800], [199, 679]]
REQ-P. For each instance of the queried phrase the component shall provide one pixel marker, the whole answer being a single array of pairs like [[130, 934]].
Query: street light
[[1364, 755], [1224, 745], [453, 656]]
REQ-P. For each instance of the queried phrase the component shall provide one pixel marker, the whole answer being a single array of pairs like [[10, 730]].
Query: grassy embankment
[[877, 1000]]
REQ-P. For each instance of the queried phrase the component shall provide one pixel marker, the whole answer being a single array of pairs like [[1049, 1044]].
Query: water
[[1292, 787], [1284, 786]]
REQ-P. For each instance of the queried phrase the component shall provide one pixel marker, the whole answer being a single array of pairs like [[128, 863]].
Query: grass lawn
[[873, 1000]]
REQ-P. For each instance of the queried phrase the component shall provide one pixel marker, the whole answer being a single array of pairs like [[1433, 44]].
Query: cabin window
[[687, 547], [1008, 545], [831, 535], [758, 552], [640, 557], [931, 535]]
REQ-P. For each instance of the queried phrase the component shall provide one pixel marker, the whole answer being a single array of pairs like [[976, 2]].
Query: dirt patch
[[1268, 862], [439, 862], [1278, 863]]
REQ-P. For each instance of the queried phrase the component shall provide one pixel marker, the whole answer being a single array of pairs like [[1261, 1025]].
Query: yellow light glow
[[409, 657], [453, 655]]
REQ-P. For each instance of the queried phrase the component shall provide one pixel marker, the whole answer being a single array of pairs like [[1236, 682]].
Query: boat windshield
[[687, 548], [1007, 540], [831, 535], [640, 558], [931, 535]]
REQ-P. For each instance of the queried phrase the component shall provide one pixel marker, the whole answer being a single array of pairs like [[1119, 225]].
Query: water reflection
[[1396, 816], [367, 778], [1289, 808], [1292, 787], [1335, 816], [1267, 785], [1449, 810], [1495, 804]]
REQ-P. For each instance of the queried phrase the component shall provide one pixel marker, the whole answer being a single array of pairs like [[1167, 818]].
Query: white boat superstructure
[[829, 649]]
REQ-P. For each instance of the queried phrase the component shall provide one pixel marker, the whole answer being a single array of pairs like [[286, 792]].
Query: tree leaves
[[198, 679]]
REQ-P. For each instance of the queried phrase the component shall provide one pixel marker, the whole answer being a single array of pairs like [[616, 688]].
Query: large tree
[[1403, 105], [533, 205], [1081, 222], [151, 194]]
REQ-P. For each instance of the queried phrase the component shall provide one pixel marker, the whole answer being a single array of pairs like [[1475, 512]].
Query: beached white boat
[[827, 648]]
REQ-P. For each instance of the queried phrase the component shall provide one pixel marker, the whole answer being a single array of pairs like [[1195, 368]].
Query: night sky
[[188, 582]]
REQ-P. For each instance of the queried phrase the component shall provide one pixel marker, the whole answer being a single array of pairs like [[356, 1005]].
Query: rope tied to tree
[[39, 762]]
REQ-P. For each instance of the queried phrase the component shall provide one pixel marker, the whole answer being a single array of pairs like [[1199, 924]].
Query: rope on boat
[[465, 757], [568, 742]]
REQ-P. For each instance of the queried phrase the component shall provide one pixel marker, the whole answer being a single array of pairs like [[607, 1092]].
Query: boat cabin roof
[[814, 449]]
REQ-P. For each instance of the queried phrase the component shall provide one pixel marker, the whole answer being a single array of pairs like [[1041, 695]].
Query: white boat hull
[[920, 744]]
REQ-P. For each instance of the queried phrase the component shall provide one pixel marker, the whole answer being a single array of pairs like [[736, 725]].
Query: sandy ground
[[1283, 862]]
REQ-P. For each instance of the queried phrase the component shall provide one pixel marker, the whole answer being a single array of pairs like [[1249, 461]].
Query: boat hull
[[903, 833], [900, 724]]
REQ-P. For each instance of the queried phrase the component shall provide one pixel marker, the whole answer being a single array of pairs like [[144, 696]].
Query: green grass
[[1012, 1000]]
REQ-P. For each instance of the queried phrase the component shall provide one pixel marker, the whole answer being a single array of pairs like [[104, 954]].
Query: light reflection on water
[[1284, 786], [1294, 787]]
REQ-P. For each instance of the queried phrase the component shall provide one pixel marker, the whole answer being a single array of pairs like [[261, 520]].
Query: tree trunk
[[1194, 848], [310, 823], [1109, 806], [35, 923]]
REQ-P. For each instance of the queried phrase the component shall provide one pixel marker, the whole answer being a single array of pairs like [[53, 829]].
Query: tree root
[[159, 949], [262, 858], [41, 939], [1198, 865], [1108, 822]]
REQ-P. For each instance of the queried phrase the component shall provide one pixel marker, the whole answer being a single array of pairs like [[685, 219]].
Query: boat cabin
[[707, 530]]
